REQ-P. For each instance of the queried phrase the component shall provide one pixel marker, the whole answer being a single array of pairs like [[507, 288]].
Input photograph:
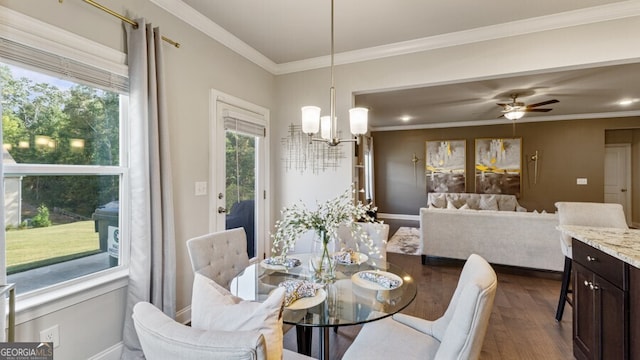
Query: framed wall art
[[498, 166], [445, 166]]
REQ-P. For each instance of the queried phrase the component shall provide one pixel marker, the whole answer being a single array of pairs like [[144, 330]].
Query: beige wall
[[198, 66], [567, 150]]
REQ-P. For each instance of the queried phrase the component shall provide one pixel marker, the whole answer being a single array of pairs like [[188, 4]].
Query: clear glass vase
[[322, 263]]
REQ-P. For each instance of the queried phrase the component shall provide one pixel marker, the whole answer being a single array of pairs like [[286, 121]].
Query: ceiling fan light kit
[[312, 122], [516, 110]]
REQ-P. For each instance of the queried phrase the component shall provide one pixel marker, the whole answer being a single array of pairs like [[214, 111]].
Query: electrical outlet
[[201, 188], [581, 181], [51, 335]]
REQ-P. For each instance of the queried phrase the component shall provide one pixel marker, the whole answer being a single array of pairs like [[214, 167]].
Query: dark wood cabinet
[[601, 306], [634, 313]]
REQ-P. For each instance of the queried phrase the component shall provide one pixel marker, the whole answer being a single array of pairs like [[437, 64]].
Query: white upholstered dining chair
[[583, 214], [379, 234], [220, 256], [458, 334], [162, 338]]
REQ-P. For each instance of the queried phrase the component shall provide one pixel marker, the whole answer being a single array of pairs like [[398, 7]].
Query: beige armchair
[[458, 334], [165, 339], [584, 214]]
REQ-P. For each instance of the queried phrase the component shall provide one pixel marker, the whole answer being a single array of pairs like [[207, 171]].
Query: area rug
[[405, 241]]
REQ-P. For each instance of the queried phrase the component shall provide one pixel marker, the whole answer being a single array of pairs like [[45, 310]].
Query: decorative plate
[[274, 264], [308, 302], [362, 258]]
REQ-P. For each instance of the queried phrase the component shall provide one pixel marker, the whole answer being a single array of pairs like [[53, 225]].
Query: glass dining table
[[352, 298]]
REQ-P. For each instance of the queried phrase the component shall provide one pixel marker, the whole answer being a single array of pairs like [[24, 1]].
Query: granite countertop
[[623, 244]]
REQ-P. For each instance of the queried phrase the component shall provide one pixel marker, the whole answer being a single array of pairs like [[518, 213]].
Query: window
[[63, 168]]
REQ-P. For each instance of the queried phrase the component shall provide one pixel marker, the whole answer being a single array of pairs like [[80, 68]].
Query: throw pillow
[[488, 203], [451, 205], [507, 203], [215, 308], [439, 200], [465, 207]]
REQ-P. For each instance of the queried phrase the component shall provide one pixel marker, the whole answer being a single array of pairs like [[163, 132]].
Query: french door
[[240, 170]]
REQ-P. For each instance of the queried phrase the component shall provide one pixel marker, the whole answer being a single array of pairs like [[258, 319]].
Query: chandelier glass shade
[[327, 126]]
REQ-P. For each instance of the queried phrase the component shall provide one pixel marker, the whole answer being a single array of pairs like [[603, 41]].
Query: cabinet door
[[584, 314], [634, 313], [610, 304]]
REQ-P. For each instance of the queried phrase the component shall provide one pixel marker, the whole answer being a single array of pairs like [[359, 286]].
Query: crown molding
[[502, 121], [190, 16], [590, 15]]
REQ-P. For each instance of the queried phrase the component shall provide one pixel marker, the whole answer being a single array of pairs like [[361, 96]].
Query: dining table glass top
[[352, 298]]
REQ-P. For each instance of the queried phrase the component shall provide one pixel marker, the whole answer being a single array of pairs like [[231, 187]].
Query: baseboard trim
[[112, 353], [398, 216], [184, 316]]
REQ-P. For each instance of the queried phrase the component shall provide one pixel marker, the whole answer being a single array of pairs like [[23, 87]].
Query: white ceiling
[[291, 35]]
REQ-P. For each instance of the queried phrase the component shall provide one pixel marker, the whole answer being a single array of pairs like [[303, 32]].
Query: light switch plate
[[201, 188], [581, 181]]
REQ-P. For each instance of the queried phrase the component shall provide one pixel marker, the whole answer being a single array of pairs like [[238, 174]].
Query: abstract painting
[[445, 166], [498, 166]]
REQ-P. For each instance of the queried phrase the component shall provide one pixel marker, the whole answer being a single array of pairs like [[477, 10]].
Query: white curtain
[[3, 260], [152, 265]]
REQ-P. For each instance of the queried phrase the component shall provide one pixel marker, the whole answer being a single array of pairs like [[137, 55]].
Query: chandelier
[[327, 126]]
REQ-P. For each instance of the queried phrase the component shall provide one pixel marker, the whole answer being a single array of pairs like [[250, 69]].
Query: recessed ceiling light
[[627, 102], [405, 118]]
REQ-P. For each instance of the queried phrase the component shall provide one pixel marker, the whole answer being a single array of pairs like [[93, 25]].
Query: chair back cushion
[[379, 234], [164, 339], [462, 328], [588, 214], [220, 256], [215, 308]]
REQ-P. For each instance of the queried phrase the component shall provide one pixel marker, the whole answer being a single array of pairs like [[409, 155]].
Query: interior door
[[617, 177], [240, 173]]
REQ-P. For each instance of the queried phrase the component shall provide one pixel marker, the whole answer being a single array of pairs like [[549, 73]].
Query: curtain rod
[[124, 18]]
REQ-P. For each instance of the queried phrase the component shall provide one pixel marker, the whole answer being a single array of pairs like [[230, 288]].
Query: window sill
[[40, 303]]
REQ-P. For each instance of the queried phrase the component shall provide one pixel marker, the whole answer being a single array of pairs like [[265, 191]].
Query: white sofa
[[515, 238]]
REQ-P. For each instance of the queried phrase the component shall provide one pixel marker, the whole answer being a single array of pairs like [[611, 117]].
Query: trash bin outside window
[[107, 227]]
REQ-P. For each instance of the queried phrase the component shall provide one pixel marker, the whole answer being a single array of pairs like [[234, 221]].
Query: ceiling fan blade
[[543, 103], [537, 110]]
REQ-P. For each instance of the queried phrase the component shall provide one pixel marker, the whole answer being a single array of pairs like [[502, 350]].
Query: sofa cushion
[[215, 308], [488, 203], [507, 203]]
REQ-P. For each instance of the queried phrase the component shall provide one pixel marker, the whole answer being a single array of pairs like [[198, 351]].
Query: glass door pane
[[240, 189]]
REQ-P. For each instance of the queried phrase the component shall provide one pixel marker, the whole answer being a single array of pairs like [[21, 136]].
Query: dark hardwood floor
[[522, 324]]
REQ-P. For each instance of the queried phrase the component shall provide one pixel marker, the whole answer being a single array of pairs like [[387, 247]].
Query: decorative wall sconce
[[535, 158], [301, 154]]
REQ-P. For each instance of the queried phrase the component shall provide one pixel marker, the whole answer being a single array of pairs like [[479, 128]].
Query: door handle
[[623, 190], [221, 210]]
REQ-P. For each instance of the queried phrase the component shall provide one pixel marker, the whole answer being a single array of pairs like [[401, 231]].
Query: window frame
[[29, 31]]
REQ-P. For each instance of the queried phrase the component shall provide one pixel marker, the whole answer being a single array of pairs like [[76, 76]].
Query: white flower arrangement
[[326, 219]]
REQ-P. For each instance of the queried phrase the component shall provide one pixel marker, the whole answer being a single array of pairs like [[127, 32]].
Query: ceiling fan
[[516, 109]]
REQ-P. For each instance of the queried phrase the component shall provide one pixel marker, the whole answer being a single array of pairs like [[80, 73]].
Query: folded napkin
[[286, 262], [347, 256], [379, 279], [298, 289]]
